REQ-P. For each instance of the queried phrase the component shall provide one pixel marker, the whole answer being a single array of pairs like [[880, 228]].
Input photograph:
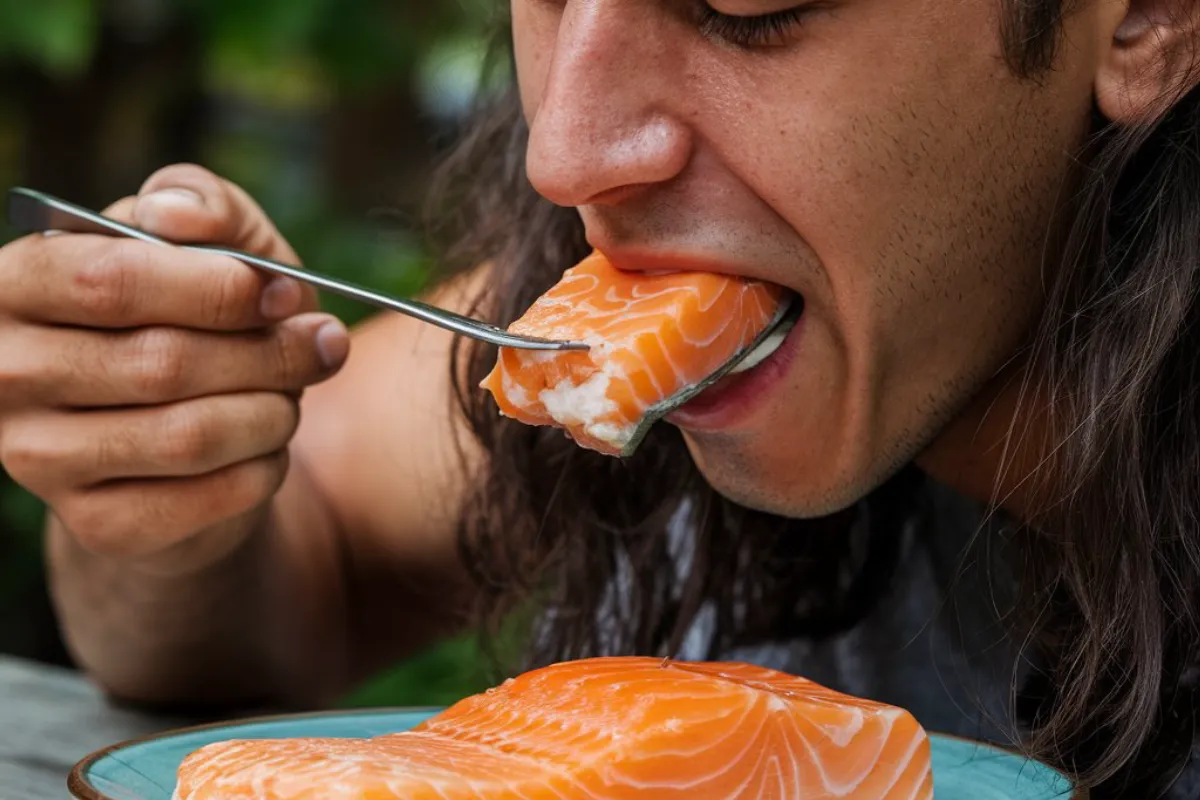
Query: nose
[[604, 127]]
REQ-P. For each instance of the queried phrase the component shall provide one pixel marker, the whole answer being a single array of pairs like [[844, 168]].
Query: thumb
[[187, 203]]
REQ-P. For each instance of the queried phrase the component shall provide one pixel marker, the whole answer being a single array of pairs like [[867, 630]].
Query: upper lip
[[638, 259]]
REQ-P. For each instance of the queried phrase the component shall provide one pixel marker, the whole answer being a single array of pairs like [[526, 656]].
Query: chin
[[778, 483]]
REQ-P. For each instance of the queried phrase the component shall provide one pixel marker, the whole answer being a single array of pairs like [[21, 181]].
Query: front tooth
[[760, 353]]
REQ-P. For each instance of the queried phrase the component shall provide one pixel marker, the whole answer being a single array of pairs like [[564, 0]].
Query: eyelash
[[763, 30]]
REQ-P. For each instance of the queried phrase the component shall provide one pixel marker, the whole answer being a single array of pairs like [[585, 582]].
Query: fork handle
[[33, 211]]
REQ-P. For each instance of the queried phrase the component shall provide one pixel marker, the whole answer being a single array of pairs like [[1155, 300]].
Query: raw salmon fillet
[[611, 728], [651, 335]]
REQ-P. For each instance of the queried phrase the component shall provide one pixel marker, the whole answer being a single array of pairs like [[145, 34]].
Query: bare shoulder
[[383, 440]]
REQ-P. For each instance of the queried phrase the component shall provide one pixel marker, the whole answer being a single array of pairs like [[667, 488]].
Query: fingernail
[[333, 344], [150, 208], [281, 298], [174, 197]]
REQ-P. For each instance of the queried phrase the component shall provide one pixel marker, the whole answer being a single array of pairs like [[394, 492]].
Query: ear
[[1151, 61]]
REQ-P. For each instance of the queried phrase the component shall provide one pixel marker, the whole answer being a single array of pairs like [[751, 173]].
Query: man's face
[[875, 156]]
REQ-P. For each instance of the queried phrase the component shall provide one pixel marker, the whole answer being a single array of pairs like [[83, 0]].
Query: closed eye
[[762, 30]]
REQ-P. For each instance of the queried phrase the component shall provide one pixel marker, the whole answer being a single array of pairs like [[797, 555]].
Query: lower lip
[[735, 397]]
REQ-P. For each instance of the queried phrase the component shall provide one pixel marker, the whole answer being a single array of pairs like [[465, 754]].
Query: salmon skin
[[655, 340], [611, 728]]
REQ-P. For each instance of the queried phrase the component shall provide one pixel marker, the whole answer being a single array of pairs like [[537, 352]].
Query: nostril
[[617, 195]]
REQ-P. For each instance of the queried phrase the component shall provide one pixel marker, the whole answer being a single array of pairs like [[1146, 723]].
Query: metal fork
[[37, 212]]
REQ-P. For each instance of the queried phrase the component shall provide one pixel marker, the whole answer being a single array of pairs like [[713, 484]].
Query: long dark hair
[[1110, 566]]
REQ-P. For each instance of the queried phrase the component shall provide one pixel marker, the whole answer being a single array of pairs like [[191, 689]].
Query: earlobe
[[1151, 60]]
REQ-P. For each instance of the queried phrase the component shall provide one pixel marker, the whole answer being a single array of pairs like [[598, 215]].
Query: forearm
[[260, 620]]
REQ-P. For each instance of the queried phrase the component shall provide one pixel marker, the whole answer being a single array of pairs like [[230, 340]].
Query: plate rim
[[79, 789]]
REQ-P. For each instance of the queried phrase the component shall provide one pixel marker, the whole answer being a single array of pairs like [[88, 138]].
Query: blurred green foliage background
[[329, 112]]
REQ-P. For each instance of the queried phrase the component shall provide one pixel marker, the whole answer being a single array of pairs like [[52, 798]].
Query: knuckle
[[30, 456], [103, 287], [186, 437], [116, 448], [231, 295], [160, 367], [20, 454]]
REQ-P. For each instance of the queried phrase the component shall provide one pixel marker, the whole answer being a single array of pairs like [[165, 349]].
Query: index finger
[[104, 282]]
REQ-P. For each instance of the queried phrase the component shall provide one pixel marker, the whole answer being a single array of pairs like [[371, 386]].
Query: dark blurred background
[[329, 112]]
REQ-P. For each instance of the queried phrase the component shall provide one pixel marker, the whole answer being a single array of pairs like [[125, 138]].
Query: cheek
[[926, 203]]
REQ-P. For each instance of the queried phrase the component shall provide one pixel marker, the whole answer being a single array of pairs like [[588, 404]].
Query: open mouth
[[774, 340], [679, 334], [747, 382]]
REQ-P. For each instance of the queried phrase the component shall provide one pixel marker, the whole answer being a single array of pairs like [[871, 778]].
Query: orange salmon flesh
[[611, 728], [651, 336]]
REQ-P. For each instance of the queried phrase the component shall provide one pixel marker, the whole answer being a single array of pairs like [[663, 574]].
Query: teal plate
[[145, 769]]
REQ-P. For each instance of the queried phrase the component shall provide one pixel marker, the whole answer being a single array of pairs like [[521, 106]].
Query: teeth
[[769, 345], [763, 351]]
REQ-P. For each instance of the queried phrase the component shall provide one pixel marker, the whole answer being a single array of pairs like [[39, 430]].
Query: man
[[989, 210]]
